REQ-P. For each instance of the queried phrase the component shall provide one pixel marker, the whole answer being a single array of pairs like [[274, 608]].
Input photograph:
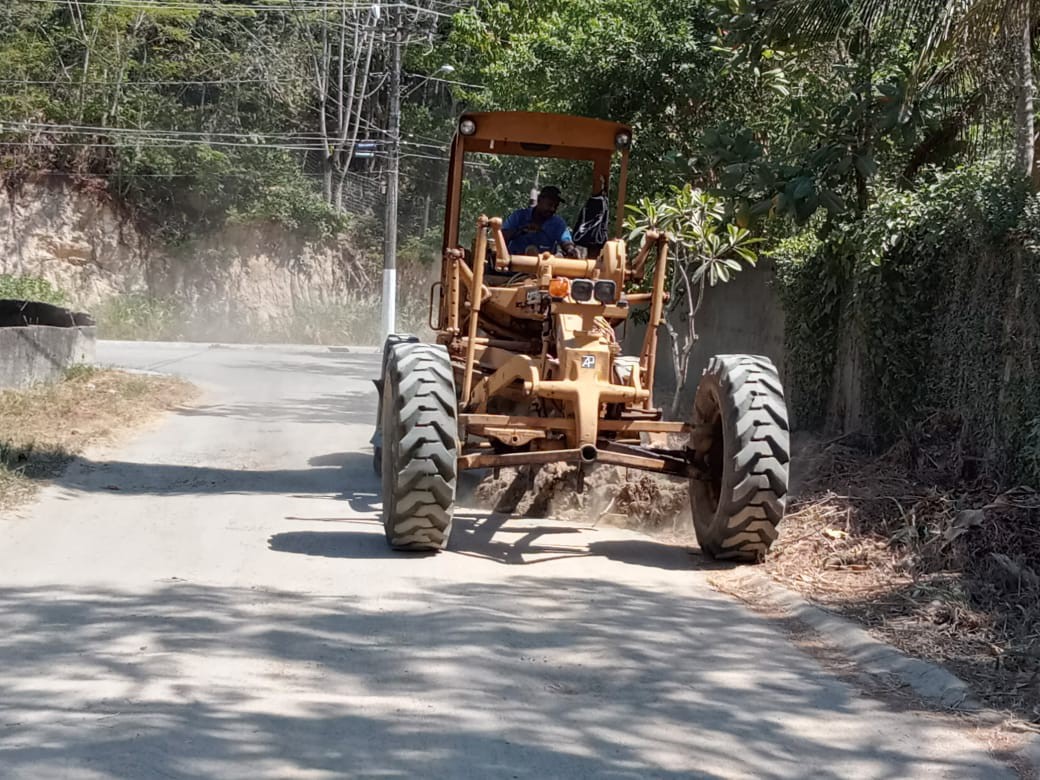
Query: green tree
[[979, 47], [705, 251], [651, 65]]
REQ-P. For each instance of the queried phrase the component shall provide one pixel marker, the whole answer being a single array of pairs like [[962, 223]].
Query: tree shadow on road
[[351, 408], [344, 475], [530, 549], [497, 538], [526, 678]]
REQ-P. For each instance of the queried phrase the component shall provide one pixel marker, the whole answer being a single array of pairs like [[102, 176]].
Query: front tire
[[377, 437], [419, 447], [741, 435]]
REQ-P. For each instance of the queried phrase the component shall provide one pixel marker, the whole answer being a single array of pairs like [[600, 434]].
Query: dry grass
[[42, 428], [932, 559]]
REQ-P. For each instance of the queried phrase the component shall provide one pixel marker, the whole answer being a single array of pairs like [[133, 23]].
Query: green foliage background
[[111, 96], [946, 316]]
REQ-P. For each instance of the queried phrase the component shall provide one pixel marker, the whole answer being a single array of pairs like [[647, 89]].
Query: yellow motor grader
[[527, 368]]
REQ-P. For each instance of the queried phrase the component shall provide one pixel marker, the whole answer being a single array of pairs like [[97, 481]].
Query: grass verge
[[43, 428]]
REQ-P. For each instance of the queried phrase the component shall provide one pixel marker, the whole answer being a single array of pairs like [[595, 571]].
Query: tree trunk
[[341, 183], [682, 363], [677, 364], [948, 130], [1024, 115], [866, 97], [326, 178]]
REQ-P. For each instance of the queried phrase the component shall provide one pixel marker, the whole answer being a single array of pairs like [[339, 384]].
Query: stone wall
[[92, 251]]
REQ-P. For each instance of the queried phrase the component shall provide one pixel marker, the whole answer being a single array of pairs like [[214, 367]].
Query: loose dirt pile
[[936, 560], [612, 496]]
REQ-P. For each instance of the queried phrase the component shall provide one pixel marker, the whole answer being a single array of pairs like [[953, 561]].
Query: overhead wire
[[131, 82], [248, 139], [188, 174], [147, 82], [269, 6], [174, 143]]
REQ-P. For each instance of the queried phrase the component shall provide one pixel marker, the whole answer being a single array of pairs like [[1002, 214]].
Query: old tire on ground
[[420, 446], [741, 432]]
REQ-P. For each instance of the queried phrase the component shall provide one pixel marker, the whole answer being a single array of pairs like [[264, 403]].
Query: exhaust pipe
[[589, 453]]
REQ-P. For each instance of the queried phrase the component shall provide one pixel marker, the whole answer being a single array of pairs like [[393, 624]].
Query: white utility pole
[[393, 172]]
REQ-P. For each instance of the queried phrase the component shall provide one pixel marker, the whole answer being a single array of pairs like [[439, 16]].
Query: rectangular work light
[[581, 290], [606, 291]]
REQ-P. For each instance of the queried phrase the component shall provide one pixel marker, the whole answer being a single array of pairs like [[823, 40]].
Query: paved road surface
[[215, 599]]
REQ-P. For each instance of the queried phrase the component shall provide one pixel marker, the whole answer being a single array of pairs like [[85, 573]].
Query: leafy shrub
[[31, 288], [137, 316], [295, 207], [938, 289], [811, 291]]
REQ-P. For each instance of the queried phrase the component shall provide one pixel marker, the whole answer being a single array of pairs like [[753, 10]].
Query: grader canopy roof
[[530, 134], [543, 135]]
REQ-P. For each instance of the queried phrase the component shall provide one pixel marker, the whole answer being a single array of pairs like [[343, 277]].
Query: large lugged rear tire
[[742, 435], [420, 446], [377, 437]]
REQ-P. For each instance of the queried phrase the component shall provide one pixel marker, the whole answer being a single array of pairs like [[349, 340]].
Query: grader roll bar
[[586, 437]]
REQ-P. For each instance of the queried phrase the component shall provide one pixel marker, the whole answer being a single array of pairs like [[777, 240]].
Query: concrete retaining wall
[[40, 353], [742, 316]]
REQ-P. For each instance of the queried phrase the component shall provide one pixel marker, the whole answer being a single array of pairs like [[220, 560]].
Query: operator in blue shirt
[[538, 228]]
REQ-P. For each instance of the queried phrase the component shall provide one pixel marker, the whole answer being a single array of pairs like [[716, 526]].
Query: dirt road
[[215, 599]]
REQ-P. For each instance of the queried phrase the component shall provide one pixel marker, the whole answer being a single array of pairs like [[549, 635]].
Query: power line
[[197, 82], [150, 83], [258, 140], [180, 143], [351, 175], [22, 126], [194, 5], [191, 5], [161, 143]]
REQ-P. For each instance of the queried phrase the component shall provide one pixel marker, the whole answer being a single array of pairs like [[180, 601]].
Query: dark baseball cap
[[551, 192]]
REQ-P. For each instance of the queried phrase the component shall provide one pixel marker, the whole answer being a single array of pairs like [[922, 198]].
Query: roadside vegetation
[[940, 566], [30, 288], [882, 152], [43, 428]]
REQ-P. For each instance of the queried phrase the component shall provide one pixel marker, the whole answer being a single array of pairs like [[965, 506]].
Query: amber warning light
[[559, 288]]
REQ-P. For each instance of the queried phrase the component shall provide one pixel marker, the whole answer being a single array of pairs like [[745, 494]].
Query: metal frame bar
[[468, 421], [645, 461], [648, 355], [475, 300]]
